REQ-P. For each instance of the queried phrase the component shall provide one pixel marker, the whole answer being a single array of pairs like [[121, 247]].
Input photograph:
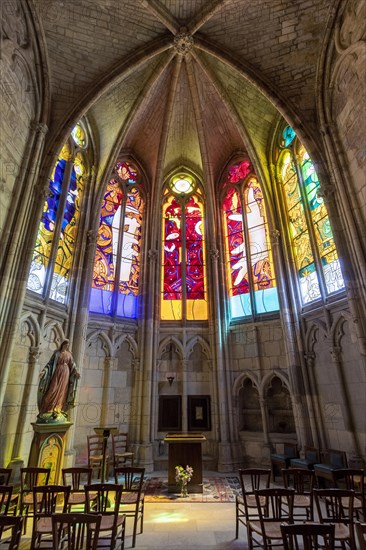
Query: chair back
[[299, 479], [290, 450], [5, 498], [361, 535], [32, 477], [46, 498], [70, 530], [5, 474], [308, 536], [339, 505], [95, 446], [251, 480], [77, 477], [119, 443], [130, 477], [279, 504], [103, 498], [350, 478], [15, 524]]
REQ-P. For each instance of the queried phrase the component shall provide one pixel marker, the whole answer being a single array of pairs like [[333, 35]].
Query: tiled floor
[[184, 526]]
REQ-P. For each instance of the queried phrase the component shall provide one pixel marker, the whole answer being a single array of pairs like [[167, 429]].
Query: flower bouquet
[[183, 476]]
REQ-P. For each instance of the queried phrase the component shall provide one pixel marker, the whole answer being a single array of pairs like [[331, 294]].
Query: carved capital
[[214, 253], [34, 354], [335, 352], [309, 358], [39, 127], [42, 190], [326, 192], [152, 255], [275, 236], [92, 236]]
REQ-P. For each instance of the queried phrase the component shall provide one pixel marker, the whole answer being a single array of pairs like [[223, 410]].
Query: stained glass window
[[55, 243], [117, 255], [183, 280], [250, 271], [313, 245]]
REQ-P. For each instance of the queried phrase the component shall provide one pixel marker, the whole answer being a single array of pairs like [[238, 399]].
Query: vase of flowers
[[183, 476]]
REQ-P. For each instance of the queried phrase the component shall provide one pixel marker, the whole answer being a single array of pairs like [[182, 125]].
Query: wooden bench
[[283, 460], [331, 460], [311, 457]]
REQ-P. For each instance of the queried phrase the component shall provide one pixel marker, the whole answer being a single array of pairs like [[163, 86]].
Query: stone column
[[108, 361], [313, 404], [31, 380], [184, 370], [336, 354]]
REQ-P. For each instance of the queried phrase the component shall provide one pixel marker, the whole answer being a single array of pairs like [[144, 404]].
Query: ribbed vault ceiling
[[182, 82]]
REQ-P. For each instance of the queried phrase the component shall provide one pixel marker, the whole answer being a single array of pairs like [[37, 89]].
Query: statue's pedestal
[[48, 448]]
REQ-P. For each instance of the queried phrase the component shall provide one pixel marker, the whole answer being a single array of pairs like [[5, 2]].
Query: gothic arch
[[131, 344], [201, 342], [107, 344], [238, 383], [34, 333], [57, 329], [170, 340]]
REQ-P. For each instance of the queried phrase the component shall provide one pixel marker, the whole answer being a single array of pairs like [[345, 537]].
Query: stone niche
[[250, 412], [280, 414]]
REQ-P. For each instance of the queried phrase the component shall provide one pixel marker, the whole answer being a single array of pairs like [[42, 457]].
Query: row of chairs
[[115, 502], [260, 508]]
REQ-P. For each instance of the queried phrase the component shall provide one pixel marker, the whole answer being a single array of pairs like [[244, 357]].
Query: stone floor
[[184, 526]]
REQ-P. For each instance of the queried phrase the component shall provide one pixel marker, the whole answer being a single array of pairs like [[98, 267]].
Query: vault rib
[[205, 14], [162, 14]]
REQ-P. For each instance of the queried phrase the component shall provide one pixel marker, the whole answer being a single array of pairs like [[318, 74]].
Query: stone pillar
[[105, 393], [313, 404], [184, 369], [31, 380], [336, 354]]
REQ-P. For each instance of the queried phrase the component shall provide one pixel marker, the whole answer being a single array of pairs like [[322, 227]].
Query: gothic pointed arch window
[[116, 274], [250, 270], [314, 251], [54, 252], [183, 256]]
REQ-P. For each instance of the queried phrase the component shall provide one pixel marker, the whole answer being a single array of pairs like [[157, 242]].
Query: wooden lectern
[[185, 449]]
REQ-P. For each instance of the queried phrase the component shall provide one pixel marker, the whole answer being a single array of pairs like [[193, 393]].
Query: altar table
[[185, 449]]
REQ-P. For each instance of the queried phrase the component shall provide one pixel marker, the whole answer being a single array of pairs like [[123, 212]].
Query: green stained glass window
[[310, 231]]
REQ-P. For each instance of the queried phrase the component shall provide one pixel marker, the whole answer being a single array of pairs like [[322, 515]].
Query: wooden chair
[[120, 450], [70, 530], [95, 454], [308, 536], [266, 532], [132, 500], [353, 479], [13, 526], [251, 479], [76, 477], [331, 460], [5, 474], [282, 460], [6, 492], [336, 506], [361, 535], [303, 483], [104, 499], [45, 500], [311, 457], [29, 478]]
